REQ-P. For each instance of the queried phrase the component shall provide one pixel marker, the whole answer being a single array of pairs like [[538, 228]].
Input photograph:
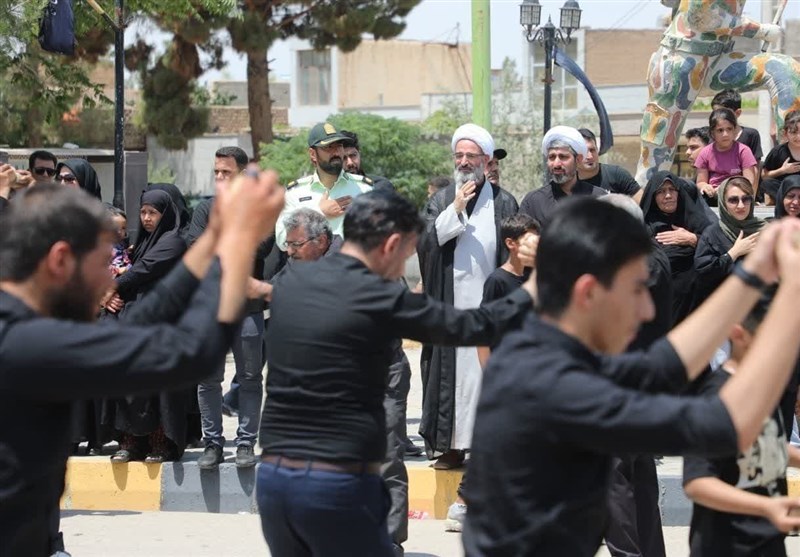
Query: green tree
[[37, 87], [390, 147]]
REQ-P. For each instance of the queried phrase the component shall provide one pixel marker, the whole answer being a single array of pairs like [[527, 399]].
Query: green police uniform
[[308, 192]]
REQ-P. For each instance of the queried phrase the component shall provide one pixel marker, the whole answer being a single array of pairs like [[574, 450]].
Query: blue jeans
[[249, 356], [310, 513]]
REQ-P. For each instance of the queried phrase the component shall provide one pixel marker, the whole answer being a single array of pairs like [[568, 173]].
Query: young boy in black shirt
[[511, 274], [740, 502]]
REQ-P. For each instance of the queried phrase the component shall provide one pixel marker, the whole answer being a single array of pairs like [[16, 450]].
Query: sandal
[[122, 455], [154, 458]]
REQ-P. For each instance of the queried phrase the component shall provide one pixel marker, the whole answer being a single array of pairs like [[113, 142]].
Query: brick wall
[[236, 119]]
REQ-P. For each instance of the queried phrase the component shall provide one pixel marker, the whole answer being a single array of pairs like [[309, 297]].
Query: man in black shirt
[[248, 347], [55, 247], [323, 428], [352, 162], [610, 177], [556, 408], [564, 149]]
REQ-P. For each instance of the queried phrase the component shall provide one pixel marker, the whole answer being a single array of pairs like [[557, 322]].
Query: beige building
[[388, 78]]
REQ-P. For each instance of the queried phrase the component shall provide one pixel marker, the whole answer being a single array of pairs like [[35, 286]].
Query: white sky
[[448, 20]]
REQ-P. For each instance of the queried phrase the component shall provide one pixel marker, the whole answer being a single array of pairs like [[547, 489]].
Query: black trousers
[[393, 469], [635, 521]]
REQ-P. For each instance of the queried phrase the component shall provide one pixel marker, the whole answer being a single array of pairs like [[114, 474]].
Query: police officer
[[330, 189]]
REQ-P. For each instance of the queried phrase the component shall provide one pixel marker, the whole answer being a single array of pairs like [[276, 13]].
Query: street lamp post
[[548, 35]]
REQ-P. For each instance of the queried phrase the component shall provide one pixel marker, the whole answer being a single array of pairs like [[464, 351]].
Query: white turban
[[477, 135], [568, 135]]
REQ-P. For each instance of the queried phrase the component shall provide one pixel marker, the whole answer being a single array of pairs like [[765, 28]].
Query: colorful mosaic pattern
[[698, 52]]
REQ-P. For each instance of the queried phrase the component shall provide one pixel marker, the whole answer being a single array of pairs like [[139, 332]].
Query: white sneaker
[[455, 517]]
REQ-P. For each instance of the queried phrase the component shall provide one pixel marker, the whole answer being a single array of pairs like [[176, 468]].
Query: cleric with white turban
[[460, 248], [477, 135], [564, 134]]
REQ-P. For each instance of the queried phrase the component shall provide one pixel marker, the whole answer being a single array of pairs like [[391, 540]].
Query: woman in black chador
[[151, 428], [676, 217]]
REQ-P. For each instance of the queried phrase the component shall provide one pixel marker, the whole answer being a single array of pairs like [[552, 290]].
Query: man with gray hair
[[563, 148], [461, 247], [309, 236]]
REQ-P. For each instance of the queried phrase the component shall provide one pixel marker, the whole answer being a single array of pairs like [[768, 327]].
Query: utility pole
[[118, 24], [119, 105], [481, 64]]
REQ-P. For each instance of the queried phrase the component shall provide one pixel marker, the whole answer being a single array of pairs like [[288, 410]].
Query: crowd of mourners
[[482, 259]]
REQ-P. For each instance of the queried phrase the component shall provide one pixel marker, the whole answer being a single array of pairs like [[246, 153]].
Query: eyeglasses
[[471, 157], [68, 178], [298, 245], [736, 199], [42, 170]]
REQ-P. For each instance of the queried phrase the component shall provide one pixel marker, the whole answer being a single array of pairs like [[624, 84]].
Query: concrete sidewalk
[[94, 483]]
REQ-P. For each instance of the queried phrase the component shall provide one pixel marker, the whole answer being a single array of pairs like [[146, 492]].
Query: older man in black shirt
[[55, 246], [556, 409], [323, 429]]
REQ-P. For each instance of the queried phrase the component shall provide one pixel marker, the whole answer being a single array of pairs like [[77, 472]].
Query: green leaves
[[390, 148]]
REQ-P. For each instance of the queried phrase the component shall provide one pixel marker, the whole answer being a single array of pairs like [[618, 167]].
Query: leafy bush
[[390, 147]]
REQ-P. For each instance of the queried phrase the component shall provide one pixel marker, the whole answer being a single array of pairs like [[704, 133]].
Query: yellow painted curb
[[794, 487], [97, 484], [432, 491]]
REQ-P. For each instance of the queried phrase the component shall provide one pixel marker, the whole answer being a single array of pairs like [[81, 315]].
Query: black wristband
[[747, 277]]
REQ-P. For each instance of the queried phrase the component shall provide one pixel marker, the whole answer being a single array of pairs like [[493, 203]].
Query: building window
[[314, 77], [565, 86]]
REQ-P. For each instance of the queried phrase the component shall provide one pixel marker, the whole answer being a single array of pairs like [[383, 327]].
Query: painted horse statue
[[698, 52]]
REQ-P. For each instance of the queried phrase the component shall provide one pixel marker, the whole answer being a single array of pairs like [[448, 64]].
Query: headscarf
[[730, 226], [789, 183], [568, 135], [177, 198], [85, 173], [477, 135], [168, 226], [689, 213]]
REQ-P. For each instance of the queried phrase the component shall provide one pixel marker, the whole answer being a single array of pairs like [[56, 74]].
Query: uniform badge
[[306, 198]]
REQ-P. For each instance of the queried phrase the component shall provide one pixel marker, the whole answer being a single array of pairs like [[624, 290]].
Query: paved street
[[165, 534], [177, 534]]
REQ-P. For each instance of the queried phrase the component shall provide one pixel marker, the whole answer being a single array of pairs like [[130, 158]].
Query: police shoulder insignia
[[291, 184]]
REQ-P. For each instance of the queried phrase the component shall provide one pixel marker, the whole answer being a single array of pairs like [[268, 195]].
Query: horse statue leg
[[675, 79]]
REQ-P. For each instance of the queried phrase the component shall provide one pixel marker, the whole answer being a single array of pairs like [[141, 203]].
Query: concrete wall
[[397, 73], [194, 167], [387, 78], [102, 160], [619, 56]]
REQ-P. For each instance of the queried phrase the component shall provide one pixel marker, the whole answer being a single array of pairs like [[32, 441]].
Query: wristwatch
[[747, 277]]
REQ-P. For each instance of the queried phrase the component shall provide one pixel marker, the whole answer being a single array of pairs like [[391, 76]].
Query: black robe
[[154, 256], [438, 362], [690, 215], [711, 260]]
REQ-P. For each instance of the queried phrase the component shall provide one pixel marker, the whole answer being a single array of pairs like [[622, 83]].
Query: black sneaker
[[211, 458], [245, 456]]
